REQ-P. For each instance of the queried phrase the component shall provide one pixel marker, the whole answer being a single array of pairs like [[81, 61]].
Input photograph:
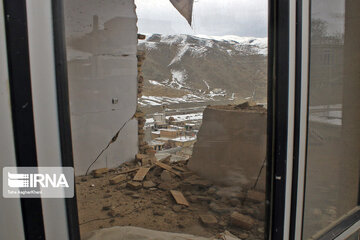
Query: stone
[[157, 201], [107, 195], [244, 236], [177, 208], [208, 220], [158, 212], [117, 179], [217, 209], [113, 213], [222, 223], [255, 196], [187, 193], [212, 190], [121, 186], [196, 181], [204, 199], [101, 171], [135, 196], [134, 185], [234, 202], [168, 186], [166, 176], [149, 184], [106, 207], [192, 198], [242, 221]]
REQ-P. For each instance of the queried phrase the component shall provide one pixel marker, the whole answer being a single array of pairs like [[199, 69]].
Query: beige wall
[[231, 147]]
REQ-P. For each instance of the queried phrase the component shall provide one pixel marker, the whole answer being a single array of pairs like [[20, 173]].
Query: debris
[[144, 159], [113, 213], [92, 185], [141, 36], [179, 198], [226, 235], [167, 167], [234, 202], [107, 195], [117, 179], [176, 208], [106, 207], [134, 185], [196, 181], [168, 186], [83, 179], [208, 220], [166, 176], [179, 169], [158, 212], [255, 196], [135, 196], [139, 157], [130, 170], [243, 221], [217, 209], [99, 172], [141, 173], [244, 236], [149, 184]]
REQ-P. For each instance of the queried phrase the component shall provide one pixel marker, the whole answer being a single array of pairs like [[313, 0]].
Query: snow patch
[[178, 79], [207, 85], [180, 54], [155, 83]]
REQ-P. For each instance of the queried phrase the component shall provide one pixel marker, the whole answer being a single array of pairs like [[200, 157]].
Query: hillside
[[184, 68]]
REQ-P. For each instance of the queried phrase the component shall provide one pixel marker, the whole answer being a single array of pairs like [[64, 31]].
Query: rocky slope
[[203, 68]]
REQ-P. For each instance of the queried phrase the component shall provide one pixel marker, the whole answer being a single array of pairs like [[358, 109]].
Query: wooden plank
[[179, 198], [140, 175], [167, 167], [179, 169], [117, 179], [100, 171], [130, 170]]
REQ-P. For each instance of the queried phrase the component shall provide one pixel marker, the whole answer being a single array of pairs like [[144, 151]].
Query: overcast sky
[[247, 18]]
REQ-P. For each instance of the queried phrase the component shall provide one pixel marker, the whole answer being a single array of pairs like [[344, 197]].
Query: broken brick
[[117, 179], [243, 221], [255, 196], [149, 184], [134, 185], [208, 220], [166, 176]]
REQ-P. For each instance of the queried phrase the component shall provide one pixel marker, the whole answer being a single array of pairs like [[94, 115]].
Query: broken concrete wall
[[101, 40], [231, 147]]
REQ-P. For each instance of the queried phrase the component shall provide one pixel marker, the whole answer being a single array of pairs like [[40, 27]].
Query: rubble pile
[[167, 196]]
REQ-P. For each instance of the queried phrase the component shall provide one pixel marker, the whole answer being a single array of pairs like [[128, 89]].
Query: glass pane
[[199, 93], [333, 157]]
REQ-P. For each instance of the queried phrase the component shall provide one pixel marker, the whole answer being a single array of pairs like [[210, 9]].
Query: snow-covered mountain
[[203, 68]]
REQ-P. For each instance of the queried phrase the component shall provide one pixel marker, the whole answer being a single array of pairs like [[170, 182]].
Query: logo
[[38, 182], [18, 180], [33, 180]]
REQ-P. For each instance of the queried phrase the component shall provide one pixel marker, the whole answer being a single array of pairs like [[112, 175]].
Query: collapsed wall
[[231, 146]]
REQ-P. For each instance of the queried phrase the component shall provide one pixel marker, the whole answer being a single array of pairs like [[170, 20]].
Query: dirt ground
[[149, 203]]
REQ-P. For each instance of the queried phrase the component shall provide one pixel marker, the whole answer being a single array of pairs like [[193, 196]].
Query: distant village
[[174, 134]]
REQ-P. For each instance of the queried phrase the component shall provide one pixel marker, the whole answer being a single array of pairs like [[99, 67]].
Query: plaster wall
[[101, 40]]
